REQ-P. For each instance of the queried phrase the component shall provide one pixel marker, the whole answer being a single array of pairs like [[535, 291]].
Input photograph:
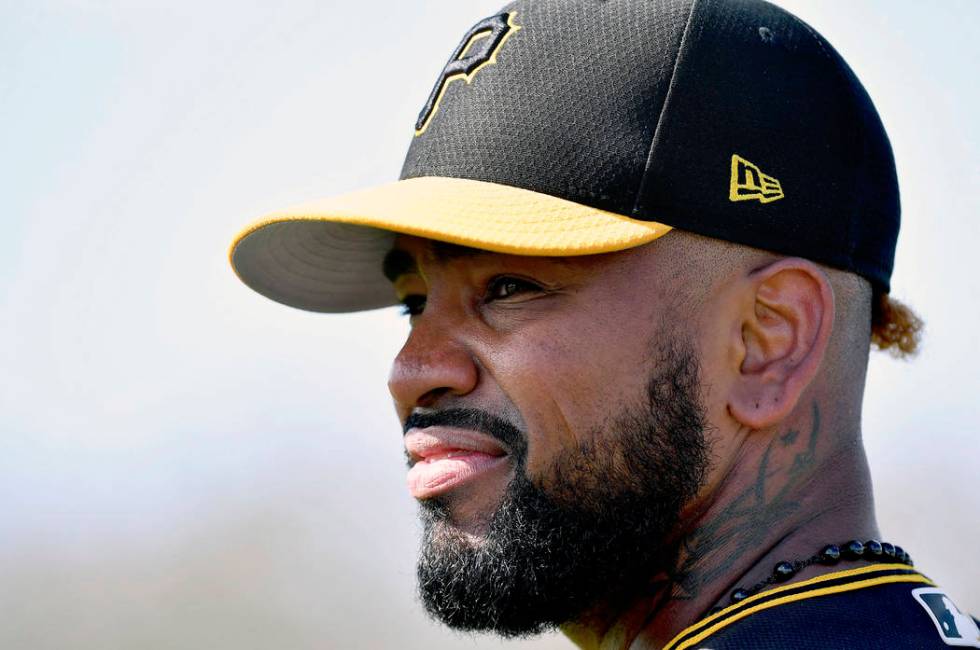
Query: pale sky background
[[185, 464]]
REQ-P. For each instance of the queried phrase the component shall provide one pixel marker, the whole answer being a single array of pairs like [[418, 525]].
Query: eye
[[504, 286], [412, 305]]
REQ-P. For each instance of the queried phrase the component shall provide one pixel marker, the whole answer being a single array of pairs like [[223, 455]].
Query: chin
[[452, 521]]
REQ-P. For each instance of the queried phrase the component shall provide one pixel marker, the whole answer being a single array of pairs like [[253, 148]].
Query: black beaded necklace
[[831, 554]]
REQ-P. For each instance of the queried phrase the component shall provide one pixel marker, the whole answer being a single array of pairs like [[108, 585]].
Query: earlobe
[[785, 328]]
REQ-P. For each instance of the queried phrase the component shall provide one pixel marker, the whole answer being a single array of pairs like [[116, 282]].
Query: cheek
[[567, 386]]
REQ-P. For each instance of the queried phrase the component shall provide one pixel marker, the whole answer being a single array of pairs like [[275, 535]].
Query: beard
[[596, 535]]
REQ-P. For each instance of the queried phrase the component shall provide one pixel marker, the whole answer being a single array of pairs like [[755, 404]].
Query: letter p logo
[[478, 48]]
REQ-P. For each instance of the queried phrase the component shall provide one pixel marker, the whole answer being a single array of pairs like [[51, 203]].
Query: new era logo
[[750, 184]]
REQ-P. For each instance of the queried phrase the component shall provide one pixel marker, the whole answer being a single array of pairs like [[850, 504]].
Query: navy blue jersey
[[879, 607]]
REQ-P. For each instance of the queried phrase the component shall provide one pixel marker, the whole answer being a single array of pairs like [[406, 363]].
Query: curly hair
[[895, 328]]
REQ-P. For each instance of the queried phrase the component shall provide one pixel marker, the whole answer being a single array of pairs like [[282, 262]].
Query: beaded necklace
[[829, 555]]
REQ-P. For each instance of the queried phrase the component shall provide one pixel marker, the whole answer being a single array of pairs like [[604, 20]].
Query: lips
[[445, 458]]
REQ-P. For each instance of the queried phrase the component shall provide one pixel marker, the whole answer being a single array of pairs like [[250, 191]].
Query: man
[[644, 248]]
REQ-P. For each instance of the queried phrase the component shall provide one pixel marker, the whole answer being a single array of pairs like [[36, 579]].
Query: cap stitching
[[812, 34], [852, 226], [663, 110]]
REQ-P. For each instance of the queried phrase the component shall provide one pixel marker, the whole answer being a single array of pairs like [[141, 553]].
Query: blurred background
[[185, 464]]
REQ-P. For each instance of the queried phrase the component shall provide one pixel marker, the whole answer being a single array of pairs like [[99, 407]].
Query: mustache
[[474, 419]]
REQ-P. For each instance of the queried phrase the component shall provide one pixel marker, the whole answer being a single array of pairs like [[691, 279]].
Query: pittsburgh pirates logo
[[749, 183], [478, 48]]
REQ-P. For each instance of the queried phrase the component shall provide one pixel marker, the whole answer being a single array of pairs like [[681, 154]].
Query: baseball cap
[[576, 127]]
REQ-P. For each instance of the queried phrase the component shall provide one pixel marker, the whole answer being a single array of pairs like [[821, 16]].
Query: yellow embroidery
[[865, 577], [513, 27], [750, 184]]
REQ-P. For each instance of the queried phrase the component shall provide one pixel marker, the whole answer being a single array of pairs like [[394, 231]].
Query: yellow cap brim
[[326, 255]]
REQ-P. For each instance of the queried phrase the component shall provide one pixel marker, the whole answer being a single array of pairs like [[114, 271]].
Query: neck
[[787, 496]]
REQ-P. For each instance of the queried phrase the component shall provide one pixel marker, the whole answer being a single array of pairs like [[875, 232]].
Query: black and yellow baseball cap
[[576, 127]]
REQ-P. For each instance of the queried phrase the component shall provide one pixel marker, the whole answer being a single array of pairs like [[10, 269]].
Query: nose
[[432, 363]]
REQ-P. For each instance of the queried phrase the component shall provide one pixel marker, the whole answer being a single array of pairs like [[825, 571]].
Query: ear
[[786, 321]]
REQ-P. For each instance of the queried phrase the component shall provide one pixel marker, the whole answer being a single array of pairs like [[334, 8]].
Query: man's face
[[553, 429]]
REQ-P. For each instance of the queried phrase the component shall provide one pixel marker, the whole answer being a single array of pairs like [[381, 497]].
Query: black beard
[[596, 535]]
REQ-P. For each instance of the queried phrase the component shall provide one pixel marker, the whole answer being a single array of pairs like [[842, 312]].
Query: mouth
[[442, 459]]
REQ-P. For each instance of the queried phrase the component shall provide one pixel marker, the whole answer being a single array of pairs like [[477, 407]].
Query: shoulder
[[882, 607]]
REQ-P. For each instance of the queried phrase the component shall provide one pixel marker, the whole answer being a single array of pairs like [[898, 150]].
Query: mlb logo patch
[[955, 628]]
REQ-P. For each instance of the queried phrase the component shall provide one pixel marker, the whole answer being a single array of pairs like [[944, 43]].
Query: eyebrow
[[398, 262], [444, 252]]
